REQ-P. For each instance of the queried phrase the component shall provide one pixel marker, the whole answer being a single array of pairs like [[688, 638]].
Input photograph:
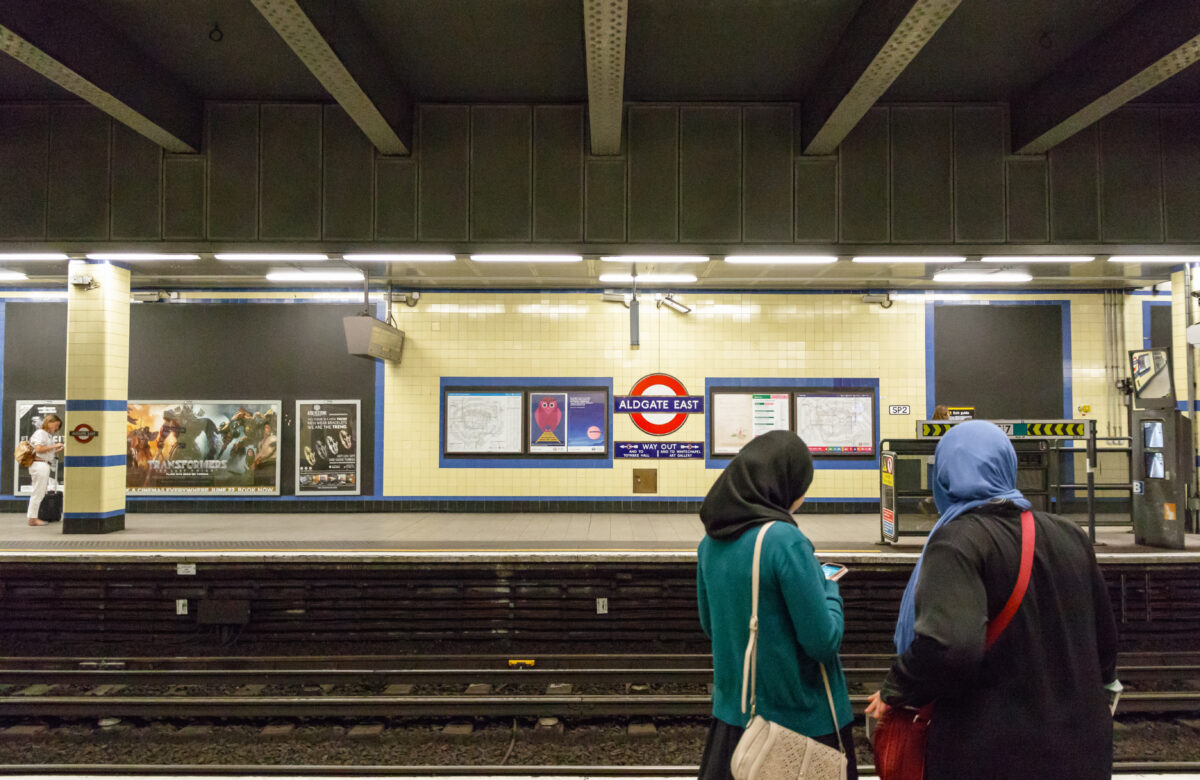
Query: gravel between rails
[[678, 742]]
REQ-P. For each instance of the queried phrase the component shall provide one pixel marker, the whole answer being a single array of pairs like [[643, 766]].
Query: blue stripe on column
[[92, 515], [97, 405], [93, 461]]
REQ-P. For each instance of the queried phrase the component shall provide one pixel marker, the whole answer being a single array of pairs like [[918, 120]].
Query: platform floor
[[452, 534]]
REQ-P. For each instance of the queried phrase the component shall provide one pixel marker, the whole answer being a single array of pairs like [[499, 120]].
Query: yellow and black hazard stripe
[[935, 428], [1066, 430]]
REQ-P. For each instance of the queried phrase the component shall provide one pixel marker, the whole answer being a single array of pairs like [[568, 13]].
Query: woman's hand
[[876, 706]]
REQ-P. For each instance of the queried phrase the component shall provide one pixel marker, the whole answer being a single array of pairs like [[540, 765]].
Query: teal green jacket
[[799, 627]]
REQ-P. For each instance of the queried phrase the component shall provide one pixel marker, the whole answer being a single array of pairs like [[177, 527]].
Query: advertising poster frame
[[61, 411], [339, 489]]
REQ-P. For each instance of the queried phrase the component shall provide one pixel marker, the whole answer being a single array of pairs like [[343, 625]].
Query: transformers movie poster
[[202, 448], [327, 448]]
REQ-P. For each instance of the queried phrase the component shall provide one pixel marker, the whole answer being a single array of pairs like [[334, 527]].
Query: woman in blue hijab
[[1032, 704]]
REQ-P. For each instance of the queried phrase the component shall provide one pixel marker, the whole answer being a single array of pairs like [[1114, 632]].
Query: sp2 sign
[[899, 409]]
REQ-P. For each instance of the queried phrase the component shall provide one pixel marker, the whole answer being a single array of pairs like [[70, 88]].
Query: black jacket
[[1033, 706]]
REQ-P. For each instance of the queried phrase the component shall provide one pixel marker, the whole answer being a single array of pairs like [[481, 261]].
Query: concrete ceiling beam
[[1147, 46], [82, 55], [880, 41], [605, 24], [332, 40]]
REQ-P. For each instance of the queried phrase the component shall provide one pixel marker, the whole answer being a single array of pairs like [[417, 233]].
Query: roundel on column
[[659, 404]]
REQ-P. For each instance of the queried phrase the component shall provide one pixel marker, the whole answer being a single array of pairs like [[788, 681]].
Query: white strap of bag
[[750, 663]]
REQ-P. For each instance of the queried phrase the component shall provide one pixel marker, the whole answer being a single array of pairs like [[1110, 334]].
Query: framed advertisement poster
[[29, 417], [203, 448], [327, 448]]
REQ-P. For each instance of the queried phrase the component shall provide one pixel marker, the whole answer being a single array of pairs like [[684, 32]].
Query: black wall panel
[[1027, 199], [395, 199], [232, 171], [501, 173], [1006, 361], [183, 196], [1130, 157], [710, 174], [136, 185], [348, 166], [291, 172], [558, 173], [922, 155], [78, 189], [1181, 172], [766, 174], [1074, 183], [605, 198], [444, 156], [653, 173], [979, 148], [816, 199], [24, 151], [229, 352], [863, 189], [1161, 330]]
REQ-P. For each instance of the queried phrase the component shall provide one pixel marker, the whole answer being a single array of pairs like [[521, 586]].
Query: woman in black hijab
[[799, 612]]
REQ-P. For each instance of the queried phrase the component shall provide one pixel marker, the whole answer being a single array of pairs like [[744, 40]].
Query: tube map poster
[[327, 448], [202, 448]]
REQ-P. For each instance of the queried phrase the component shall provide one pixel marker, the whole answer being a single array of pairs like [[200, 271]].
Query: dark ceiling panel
[[483, 50], [988, 50], [18, 82], [250, 61], [751, 50]]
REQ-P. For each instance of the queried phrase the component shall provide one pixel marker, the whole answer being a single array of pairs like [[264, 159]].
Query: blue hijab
[[973, 464]]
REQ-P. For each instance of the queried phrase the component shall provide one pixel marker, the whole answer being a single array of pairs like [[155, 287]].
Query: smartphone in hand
[[833, 571]]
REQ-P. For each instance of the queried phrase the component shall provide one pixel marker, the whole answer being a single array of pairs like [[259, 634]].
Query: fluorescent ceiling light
[[1172, 259], [923, 259], [655, 259], [527, 258], [32, 256], [981, 276], [315, 276], [396, 258], [268, 256], [1038, 259], [12, 276], [648, 278], [671, 302], [781, 259], [126, 257]]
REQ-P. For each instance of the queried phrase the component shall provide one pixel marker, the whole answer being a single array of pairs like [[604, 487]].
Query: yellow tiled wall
[[726, 335]]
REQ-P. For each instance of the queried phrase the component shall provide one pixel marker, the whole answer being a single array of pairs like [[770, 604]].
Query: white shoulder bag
[[769, 751]]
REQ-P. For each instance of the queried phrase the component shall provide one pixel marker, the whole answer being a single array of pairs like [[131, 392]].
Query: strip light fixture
[[32, 256], [1006, 277], [655, 259], [648, 278], [527, 258], [1038, 259], [254, 257], [315, 276], [12, 276], [131, 257], [781, 259], [398, 258], [1160, 259], [897, 260]]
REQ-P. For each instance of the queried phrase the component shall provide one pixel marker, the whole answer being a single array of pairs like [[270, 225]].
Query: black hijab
[[758, 486]]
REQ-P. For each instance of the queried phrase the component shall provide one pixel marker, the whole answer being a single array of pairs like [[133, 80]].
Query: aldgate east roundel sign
[[659, 404], [83, 433]]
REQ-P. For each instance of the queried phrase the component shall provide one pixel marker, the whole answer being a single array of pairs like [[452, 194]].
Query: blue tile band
[[93, 461], [92, 515], [97, 405]]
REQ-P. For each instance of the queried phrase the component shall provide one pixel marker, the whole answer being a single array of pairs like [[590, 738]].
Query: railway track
[[433, 686]]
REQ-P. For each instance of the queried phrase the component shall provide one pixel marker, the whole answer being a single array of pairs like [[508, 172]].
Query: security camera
[[883, 299]]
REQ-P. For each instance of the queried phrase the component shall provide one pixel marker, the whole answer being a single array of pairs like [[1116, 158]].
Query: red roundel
[[83, 433], [675, 387]]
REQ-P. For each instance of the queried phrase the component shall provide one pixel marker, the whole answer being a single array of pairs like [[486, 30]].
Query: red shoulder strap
[[997, 626]]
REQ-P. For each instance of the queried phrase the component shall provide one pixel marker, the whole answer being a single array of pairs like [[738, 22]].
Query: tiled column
[[97, 393]]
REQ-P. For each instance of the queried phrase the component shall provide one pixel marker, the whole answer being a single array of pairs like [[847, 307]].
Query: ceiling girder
[[81, 54], [880, 41], [1148, 45], [605, 23], [334, 43]]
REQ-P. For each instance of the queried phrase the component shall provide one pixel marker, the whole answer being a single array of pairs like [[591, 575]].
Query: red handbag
[[902, 732]]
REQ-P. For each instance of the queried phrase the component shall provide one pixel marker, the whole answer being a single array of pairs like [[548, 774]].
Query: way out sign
[[658, 404]]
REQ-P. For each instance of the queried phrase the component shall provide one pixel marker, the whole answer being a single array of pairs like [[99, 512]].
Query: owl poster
[[547, 422]]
